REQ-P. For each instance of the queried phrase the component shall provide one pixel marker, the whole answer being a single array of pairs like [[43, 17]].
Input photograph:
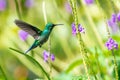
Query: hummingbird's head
[[50, 26]]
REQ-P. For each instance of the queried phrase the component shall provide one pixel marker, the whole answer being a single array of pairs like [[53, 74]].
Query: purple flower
[[111, 41], [68, 7], [114, 18], [52, 57], [115, 45], [113, 26], [29, 3], [74, 29], [108, 45], [81, 29], [47, 55], [118, 16], [23, 35], [112, 23], [2, 5], [111, 44], [88, 2]]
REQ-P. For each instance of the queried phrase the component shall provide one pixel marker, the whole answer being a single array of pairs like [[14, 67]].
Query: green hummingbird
[[40, 36]]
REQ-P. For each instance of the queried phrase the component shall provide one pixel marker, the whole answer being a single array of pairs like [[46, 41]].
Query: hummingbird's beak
[[58, 24]]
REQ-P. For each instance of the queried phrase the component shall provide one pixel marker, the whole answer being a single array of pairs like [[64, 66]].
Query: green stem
[[115, 65], [113, 6], [82, 47], [98, 64], [17, 9], [92, 70], [93, 26], [49, 41], [34, 61], [3, 73], [103, 15], [108, 32]]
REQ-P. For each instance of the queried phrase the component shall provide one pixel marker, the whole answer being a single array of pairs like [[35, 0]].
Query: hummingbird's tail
[[27, 50], [32, 47]]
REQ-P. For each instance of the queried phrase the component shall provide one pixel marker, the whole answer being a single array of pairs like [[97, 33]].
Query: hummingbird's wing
[[33, 31]]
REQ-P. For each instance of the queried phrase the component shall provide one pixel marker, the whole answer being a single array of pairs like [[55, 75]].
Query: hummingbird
[[40, 36]]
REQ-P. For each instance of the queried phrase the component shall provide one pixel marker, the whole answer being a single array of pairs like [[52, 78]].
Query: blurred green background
[[68, 63]]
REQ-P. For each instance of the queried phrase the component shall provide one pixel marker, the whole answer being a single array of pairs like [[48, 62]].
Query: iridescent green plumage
[[40, 36]]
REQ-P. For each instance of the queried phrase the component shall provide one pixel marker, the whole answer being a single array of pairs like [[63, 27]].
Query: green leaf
[[63, 76], [73, 65], [2, 74], [31, 63]]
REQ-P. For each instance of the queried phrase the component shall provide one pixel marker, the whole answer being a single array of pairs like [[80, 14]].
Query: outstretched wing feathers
[[33, 31]]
